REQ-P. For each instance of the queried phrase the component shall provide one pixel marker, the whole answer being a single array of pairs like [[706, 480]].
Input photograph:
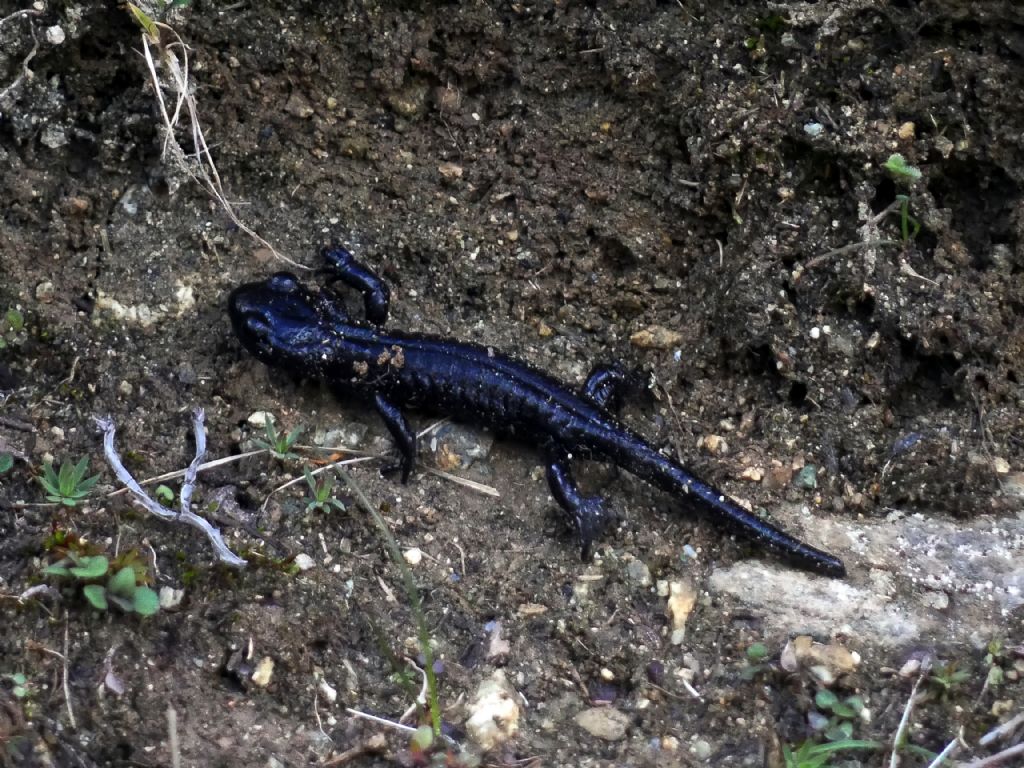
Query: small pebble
[[606, 723], [44, 292], [450, 171], [716, 445], [413, 556], [328, 691], [493, 713], [681, 599], [259, 418], [656, 337], [638, 573], [55, 35], [701, 749], [304, 562], [906, 131], [263, 672], [170, 598]]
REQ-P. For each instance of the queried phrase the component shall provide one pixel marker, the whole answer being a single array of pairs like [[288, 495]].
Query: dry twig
[[186, 514], [203, 170]]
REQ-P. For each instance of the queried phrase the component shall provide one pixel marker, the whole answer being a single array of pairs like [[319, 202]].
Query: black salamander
[[284, 324]]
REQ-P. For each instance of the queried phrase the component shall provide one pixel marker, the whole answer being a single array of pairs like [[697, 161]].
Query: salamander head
[[281, 322]]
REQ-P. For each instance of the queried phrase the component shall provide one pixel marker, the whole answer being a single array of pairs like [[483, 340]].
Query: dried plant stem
[[186, 515]]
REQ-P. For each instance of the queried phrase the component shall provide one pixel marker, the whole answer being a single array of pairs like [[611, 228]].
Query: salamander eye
[[283, 282]]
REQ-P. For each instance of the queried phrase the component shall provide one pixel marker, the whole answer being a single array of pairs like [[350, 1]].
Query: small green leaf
[[91, 567], [15, 320], [86, 485], [123, 582], [825, 699], [18, 678], [995, 676], [422, 739], [757, 651], [899, 168], [164, 495], [146, 602], [6, 462], [96, 595], [145, 22], [49, 480], [78, 473], [60, 568]]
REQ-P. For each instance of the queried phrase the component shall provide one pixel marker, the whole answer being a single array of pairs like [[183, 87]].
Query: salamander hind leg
[[606, 385], [401, 433], [588, 515], [342, 265]]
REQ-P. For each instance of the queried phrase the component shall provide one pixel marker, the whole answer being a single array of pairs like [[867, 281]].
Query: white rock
[[304, 562], [413, 556], [263, 672], [493, 713], [259, 418], [55, 35], [170, 598]]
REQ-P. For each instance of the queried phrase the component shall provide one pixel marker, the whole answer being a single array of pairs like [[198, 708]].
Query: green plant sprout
[[909, 226], [19, 685], [121, 588], [809, 755], [844, 714], [901, 170], [6, 462], [321, 493], [164, 494], [70, 485], [280, 445], [12, 324], [946, 679], [756, 655]]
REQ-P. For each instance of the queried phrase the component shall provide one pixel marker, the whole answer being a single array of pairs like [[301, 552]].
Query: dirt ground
[[696, 190]]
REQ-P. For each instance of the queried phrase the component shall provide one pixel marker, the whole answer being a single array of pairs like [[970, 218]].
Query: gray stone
[[605, 723], [910, 577]]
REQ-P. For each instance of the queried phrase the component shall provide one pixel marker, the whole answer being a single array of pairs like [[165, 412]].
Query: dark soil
[[548, 178]]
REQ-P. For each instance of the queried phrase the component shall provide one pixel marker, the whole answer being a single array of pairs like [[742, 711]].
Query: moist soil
[[697, 191]]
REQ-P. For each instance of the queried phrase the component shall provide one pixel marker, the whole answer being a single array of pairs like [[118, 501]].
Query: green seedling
[[810, 755], [901, 170], [321, 493], [994, 659], [757, 653], [909, 226], [6, 462], [164, 495], [20, 687], [120, 587], [69, 485], [280, 445], [946, 679], [11, 325], [843, 714]]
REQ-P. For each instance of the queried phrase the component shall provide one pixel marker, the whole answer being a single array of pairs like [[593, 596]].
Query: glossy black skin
[[286, 325]]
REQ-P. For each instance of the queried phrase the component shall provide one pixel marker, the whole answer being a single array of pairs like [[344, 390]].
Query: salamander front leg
[[342, 265], [605, 385], [588, 515], [401, 433]]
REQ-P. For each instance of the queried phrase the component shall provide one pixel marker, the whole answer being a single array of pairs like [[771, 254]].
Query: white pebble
[[413, 555]]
